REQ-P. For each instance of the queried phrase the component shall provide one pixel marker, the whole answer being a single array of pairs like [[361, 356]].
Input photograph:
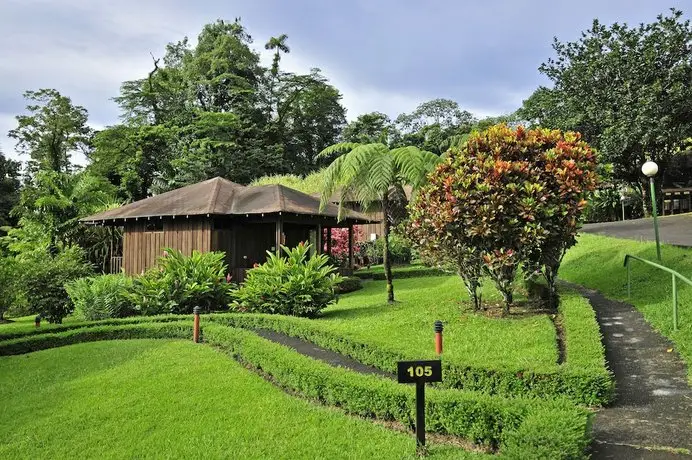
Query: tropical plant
[[296, 284], [101, 297], [506, 198], [179, 283], [369, 173]]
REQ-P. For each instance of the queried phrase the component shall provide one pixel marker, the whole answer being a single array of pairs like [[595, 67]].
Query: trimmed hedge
[[561, 428], [169, 330], [590, 386], [584, 350], [349, 284], [105, 322], [521, 428]]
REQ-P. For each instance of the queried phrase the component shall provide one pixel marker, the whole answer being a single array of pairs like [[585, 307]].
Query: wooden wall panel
[[141, 248]]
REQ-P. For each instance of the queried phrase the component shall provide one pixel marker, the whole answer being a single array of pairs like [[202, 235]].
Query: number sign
[[419, 371]]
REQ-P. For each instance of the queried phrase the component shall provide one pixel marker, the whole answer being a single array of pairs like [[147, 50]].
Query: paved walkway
[[653, 409], [675, 229]]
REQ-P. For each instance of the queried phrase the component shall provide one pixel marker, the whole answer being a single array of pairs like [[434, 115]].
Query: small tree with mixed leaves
[[506, 198]]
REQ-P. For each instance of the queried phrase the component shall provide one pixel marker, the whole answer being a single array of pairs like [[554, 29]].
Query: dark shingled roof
[[219, 196]]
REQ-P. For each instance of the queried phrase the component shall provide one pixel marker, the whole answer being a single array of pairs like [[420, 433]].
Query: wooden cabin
[[219, 215]]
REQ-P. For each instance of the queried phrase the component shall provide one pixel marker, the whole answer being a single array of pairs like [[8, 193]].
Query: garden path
[[651, 417]]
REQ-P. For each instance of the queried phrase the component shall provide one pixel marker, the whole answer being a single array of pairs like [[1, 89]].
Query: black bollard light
[[438, 337]]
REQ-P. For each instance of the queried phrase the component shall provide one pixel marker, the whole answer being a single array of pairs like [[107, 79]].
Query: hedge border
[[101, 322], [520, 427], [583, 378], [592, 386]]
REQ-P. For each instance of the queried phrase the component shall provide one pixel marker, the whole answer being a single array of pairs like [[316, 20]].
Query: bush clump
[[43, 282], [179, 283], [297, 284], [9, 287], [101, 297], [399, 250], [349, 284]]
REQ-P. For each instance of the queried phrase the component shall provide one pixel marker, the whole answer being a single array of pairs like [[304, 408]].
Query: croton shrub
[[505, 199]]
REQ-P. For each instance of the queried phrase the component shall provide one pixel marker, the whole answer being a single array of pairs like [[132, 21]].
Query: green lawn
[[471, 339], [597, 262], [170, 399], [26, 323]]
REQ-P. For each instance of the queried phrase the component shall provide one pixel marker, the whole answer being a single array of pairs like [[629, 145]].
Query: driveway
[[675, 229]]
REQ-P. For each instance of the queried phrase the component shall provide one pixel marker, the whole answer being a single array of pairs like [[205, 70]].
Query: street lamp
[[650, 169]]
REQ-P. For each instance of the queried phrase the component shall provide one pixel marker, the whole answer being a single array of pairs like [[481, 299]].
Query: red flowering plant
[[339, 249], [506, 198]]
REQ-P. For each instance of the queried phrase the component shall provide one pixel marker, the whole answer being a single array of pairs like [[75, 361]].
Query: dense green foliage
[[43, 282], [399, 250], [626, 89], [53, 129], [178, 283], [9, 191], [101, 297], [507, 198], [9, 285], [296, 284], [597, 262]]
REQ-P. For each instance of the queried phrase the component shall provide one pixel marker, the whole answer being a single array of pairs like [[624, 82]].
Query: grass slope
[[597, 262], [169, 399]]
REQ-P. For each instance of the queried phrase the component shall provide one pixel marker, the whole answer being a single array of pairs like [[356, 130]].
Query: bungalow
[[219, 215]]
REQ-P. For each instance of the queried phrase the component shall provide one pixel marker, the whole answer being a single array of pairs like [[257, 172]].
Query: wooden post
[[279, 232], [318, 238], [350, 246], [329, 241]]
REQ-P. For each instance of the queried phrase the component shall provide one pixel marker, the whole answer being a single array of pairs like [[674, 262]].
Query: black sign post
[[419, 372]]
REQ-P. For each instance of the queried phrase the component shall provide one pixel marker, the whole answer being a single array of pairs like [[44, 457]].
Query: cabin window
[[154, 226]]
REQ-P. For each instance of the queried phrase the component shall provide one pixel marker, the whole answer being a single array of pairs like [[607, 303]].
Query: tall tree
[[9, 190], [369, 128], [278, 44], [373, 173], [433, 125], [53, 130], [309, 117], [627, 89]]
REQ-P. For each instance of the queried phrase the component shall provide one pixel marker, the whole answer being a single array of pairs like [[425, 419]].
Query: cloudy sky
[[385, 55]]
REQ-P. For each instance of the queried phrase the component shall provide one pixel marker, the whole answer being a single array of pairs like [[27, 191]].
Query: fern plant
[[370, 173]]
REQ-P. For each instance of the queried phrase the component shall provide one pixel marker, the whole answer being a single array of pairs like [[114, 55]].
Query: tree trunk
[[386, 259]]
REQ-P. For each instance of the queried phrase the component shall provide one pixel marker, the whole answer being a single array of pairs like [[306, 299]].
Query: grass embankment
[[153, 399], [597, 262]]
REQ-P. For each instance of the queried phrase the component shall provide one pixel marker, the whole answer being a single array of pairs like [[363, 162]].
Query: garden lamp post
[[623, 198], [650, 169]]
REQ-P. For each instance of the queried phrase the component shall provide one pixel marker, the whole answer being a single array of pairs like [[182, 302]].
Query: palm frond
[[340, 148]]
